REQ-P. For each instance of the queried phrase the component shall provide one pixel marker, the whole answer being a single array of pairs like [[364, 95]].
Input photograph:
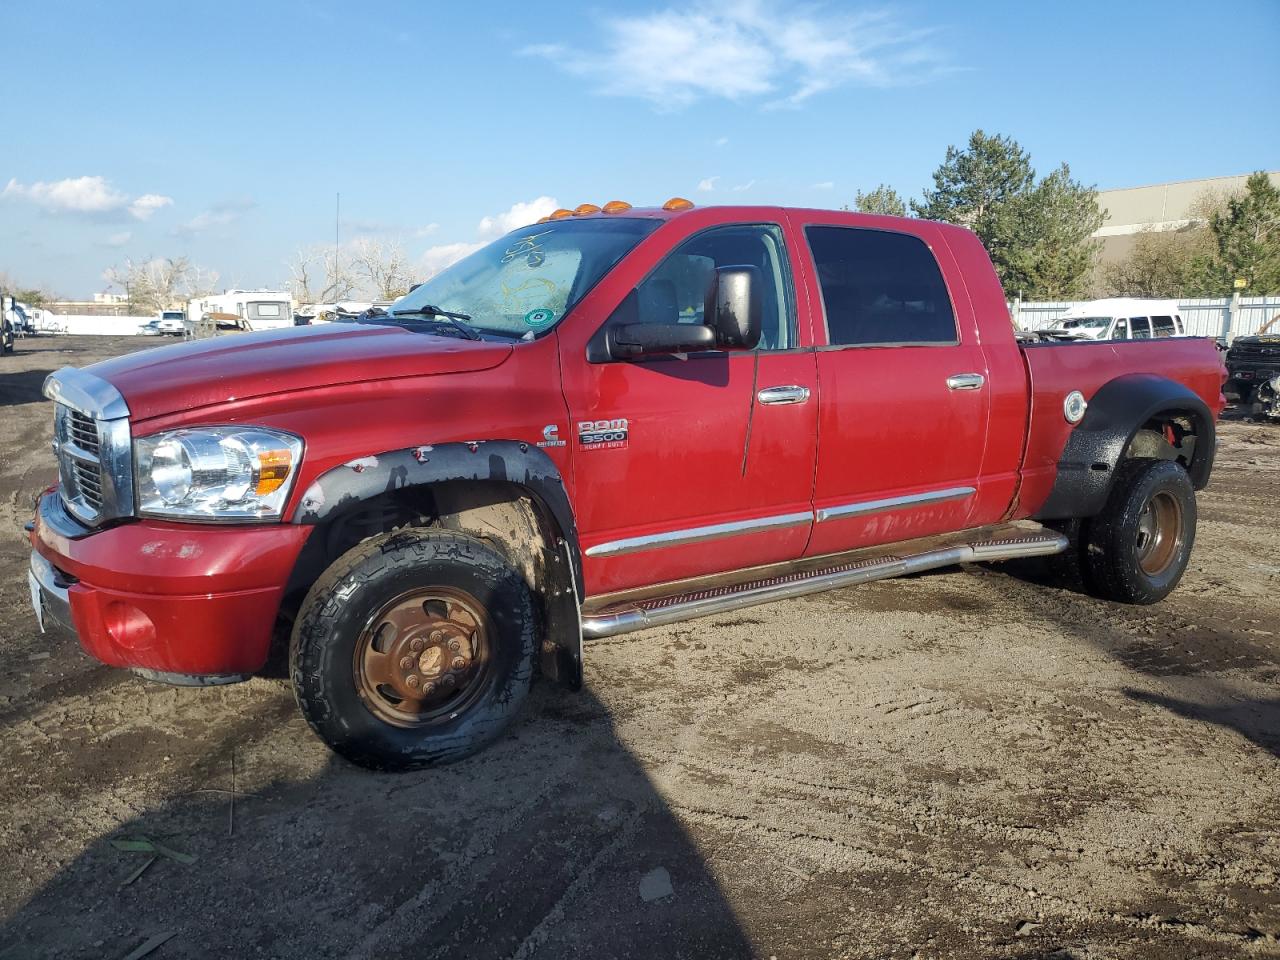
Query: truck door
[[692, 465], [904, 399]]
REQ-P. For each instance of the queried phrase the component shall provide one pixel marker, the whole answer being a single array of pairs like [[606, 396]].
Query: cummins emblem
[[602, 434], [551, 436]]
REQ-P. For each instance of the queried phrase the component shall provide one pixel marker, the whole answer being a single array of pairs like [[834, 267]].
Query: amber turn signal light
[[561, 214], [678, 203], [273, 470], [616, 206], [583, 209]]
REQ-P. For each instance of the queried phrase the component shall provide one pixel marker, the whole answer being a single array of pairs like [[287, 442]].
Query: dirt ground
[[967, 764]]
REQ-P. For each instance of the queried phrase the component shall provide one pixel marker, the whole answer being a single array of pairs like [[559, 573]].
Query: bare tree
[[382, 267], [160, 283], [322, 275]]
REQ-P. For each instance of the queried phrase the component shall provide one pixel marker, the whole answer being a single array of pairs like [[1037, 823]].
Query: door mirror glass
[[737, 311]]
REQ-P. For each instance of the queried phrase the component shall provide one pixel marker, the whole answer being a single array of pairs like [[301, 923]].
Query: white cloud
[[744, 50], [118, 239], [708, 184], [427, 230], [147, 204], [521, 214], [825, 185], [444, 255], [739, 188], [86, 196], [219, 214]]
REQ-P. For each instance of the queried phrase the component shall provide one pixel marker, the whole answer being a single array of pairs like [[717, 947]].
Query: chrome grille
[[83, 432], [91, 438]]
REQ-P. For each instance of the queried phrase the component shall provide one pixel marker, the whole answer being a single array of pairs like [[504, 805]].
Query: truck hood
[[185, 376]]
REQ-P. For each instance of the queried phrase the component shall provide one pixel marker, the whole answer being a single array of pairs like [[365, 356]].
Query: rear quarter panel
[[1054, 370]]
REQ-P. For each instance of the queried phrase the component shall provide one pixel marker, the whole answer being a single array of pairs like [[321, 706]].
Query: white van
[[249, 309], [1120, 318]]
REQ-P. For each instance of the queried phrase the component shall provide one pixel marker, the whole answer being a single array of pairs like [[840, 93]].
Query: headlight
[[216, 473]]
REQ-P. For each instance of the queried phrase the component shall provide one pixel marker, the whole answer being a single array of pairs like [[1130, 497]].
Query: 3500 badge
[[602, 434]]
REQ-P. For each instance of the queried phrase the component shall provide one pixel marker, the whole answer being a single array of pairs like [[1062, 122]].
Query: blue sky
[[223, 131]]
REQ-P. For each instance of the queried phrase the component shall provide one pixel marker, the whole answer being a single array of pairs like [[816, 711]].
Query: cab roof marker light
[[561, 214], [678, 203], [616, 206], [582, 209]]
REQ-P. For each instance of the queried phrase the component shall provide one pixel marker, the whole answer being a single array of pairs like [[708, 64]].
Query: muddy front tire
[[413, 649], [1137, 548]]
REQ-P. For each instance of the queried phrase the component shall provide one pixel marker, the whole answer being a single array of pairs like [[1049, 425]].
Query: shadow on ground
[[553, 843]]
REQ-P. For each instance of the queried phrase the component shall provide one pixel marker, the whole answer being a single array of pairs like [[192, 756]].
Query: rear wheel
[[1137, 548], [414, 648]]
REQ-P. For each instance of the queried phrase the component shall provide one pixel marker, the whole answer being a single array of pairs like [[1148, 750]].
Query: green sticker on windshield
[[540, 317]]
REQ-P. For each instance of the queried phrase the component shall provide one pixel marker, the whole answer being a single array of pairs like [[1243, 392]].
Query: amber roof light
[[582, 209], [561, 214], [616, 206], [678, 203]]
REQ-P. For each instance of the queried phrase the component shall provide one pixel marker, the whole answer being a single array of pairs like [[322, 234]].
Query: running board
[[642, 614]]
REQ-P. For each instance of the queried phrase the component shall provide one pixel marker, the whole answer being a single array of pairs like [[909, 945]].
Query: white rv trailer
[[247, 309]]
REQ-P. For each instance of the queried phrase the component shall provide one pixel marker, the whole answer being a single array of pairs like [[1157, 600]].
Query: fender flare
[[515, 462], [1116, 412]]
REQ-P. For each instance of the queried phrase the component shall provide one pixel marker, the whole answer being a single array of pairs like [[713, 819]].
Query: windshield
[[171, 315], [527, 281], [1085, 323]]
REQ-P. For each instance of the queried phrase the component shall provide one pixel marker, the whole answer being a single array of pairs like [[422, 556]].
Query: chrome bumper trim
[[50, 593]]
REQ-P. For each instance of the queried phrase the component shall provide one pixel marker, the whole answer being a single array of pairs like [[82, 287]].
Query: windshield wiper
[[458, 320]]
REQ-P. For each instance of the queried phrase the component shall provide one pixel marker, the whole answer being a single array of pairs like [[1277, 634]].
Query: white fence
[[49, 322], [1222, 317]]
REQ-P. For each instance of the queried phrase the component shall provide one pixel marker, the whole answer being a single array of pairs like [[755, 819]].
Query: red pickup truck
[[612, 419]]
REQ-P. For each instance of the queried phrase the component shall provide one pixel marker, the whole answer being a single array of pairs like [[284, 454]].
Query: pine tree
[[883, 200], [1248, 238], [1038, 235]]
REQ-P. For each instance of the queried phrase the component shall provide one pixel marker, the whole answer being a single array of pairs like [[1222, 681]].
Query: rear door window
[[1140, 328], [880, 288], [1163, 326]]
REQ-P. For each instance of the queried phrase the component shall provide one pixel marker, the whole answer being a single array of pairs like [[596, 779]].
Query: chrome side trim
[[892, 503], [89, 394], [715, 531], [639, 617]]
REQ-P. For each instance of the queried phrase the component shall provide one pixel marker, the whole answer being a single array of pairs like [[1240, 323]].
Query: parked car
[[1121, 318], [171, 322], [150, 329], [610, 420]]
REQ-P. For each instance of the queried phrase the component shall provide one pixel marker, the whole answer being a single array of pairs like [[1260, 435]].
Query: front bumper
[[183, 603]]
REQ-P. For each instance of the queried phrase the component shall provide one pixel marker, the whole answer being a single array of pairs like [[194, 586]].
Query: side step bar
[[658, 611]]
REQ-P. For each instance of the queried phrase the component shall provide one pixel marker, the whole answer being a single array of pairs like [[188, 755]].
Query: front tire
[[413, 649], [1137, 548]]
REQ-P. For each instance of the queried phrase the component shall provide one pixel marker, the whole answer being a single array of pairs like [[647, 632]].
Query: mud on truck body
[[610, 420]]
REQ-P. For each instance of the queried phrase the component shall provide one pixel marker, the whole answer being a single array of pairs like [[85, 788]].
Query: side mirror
[[737, 314], [643, 339]]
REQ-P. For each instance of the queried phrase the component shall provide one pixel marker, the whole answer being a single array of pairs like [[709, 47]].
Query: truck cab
[[612, 419]]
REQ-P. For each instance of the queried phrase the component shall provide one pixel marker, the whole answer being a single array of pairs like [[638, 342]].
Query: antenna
[[337, 210]]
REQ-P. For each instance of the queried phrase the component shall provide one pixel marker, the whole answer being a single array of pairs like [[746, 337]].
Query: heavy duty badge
[[602, 434]]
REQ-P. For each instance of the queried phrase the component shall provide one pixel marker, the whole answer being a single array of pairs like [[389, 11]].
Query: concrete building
[[1162, 206]]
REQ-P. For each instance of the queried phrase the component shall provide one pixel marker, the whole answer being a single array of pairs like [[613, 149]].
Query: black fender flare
[[1116, 412], [515, 462]]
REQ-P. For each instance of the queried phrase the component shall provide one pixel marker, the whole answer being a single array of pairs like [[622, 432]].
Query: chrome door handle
[[788, 394], [965, 381]]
